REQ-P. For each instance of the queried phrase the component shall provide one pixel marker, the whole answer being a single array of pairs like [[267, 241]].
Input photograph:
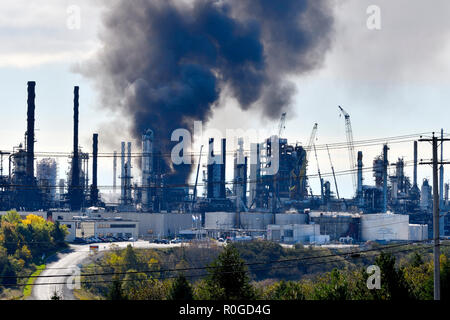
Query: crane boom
[[351, 149], [318, 170], [311, 141], [332, 170]]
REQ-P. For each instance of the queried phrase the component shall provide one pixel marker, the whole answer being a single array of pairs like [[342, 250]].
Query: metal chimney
[[359, 191], [128, 173], [415, 164], [94, 189], [30, 129], [122, 173], [385, 165], [75, 197], [114, 171]]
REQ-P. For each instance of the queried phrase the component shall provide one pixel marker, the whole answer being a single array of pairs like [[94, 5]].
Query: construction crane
[[332, 170], [312, 137], [351, 149], [318, 170], [282, 124]]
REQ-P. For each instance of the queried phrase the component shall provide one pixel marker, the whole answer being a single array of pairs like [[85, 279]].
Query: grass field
[[28, 288]]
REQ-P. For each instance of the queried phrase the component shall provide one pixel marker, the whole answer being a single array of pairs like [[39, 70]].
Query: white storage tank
[[255, 220], [384, 226], [418, 232], [220, 220]]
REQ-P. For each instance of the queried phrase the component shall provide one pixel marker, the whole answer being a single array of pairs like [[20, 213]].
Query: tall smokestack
[[115, 171], [94, 189], [75, 197], [128, 172], [222, 169], [385, 165], [122, 173], [415, 165], [30, 129], [360, 178]]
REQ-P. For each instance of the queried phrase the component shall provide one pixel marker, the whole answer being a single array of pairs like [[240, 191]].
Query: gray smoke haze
[[165, 63]]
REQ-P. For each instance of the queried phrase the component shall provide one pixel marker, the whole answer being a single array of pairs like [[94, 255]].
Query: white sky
[[392, 81]]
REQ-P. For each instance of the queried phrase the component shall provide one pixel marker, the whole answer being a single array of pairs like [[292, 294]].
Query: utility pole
[[436, 249]]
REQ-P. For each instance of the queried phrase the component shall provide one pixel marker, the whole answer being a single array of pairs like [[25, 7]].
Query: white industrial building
[[292, 233], [150, 225], [86, 227]]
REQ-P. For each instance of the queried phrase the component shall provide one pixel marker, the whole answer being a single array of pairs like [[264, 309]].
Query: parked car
[[79, 240], [132, 239], [176, 240], [164, 241]]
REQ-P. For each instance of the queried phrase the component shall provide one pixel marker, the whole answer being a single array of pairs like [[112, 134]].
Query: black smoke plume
[[164, 63]]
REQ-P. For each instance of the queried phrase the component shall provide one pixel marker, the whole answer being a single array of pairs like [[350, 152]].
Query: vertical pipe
[[122, 174], [210, 169], [385, 164], [114, 171], [94, 158], [128, 173], [415, 164], [222, 169], [75, 194], [360, 178], [30, 129], [441, 173], [94, 190], [446, 193]]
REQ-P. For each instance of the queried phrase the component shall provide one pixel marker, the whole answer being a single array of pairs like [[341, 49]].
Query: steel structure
[[351, 149]]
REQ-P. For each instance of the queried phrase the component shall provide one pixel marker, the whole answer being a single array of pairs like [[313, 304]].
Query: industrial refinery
[[277, 205]]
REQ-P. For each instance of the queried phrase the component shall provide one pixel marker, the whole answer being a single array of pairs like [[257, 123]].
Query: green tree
[[393, 283], [228, 277], [9, 237], [58, 233], [133, 280], [7, 268], [333, 286], [285, 290], [12, 217], [115, 291], [417, 260], [445, 278], [181, 289], [130, 258]]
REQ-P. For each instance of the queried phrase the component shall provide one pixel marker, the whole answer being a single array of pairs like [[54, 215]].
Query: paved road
[[66, 262]]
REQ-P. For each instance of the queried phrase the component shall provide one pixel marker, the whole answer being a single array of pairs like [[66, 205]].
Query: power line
[[212, 267], [205, 274]]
